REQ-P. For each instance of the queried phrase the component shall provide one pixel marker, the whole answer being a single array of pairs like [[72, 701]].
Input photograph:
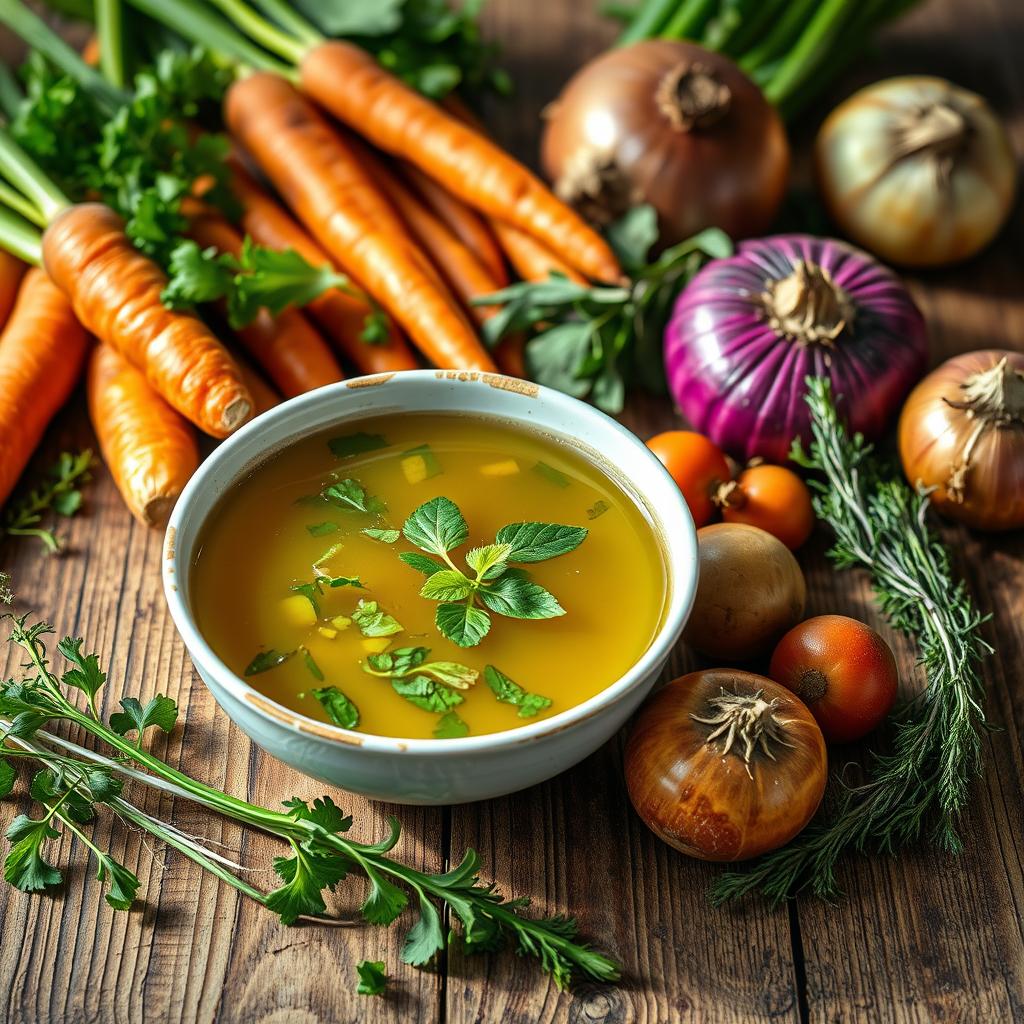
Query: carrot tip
[[156, 511], [236, 413]]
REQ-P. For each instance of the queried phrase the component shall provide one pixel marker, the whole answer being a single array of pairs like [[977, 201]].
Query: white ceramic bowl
[[417, 771]]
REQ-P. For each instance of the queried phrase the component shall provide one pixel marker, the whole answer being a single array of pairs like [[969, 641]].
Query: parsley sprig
[[59, 492], [467, 601], [922, 781], [77, 782]]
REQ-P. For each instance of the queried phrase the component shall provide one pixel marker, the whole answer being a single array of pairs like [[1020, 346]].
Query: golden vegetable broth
[[256, 546]]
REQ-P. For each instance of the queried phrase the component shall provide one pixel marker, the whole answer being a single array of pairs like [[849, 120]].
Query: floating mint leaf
[[436, 527], [537, 542], [338, 708], [384, 536], [510, 692], [266, 660], [463, 624]]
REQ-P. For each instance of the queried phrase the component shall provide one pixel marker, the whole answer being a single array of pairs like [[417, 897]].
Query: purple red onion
[[749, 329]]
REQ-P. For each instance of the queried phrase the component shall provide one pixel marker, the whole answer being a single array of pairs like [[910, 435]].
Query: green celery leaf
[[537, 542], [633, 235], [8, 775], [356, 444], [384, 536], [25, 724], [515, 595], [421, 563], [266, 660], [86, 675], [324, 812], [123, 884], [160, 711], [510, 692], [373, 979], [322, 529], [446, 585], [339, 708], [305, 875], [103, 784], [373, 621], [436, 527], [24, 867], [425, 938], [427, 694], [463, 624], [450, 727], [385, 900]]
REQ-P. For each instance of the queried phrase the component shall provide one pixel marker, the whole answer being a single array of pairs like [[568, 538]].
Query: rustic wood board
[[920, 938]]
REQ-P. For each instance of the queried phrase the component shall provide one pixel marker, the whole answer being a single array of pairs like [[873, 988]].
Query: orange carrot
[[288, 348], [150, 449], [531, 260], [91, 51], [318, 177], [341, 315], [115, 292], [466, 224], [349, 83], [12, 270], [264, 397], [41, 353]]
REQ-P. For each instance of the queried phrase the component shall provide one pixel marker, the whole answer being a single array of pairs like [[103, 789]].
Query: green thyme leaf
[[373, 979], [322, 529], [356, 444], [86, 675], [537, 542], [463, 624], [373, 621], [510, 692], [338, 707], [384, 536], [436, 527], [450, 727], [446, 585], [266, 660], [517, 596]]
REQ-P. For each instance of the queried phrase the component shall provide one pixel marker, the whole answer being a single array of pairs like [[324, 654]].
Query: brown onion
[[962, 433], [725, 765], [671, 124], [750, 591]]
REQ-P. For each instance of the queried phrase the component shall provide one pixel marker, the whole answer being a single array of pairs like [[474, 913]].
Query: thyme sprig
[[921, 782], [75, 782], [59, 492]]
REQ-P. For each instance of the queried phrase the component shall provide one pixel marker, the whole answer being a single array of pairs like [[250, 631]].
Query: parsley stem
[[261, 30], [21, 240]]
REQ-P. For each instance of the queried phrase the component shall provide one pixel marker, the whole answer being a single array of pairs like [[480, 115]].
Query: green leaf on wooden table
[[373, 979], [323, 812], [305, 876], [385, 900], [160, 711], [24, 867], [86, 674], [425, 938], [338, 707], [124, 885], [8, 775]]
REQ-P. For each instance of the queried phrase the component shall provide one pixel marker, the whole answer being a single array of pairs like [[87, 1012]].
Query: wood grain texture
[[921, 938]]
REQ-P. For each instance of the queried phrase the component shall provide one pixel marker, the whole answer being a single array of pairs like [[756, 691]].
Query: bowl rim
[[676, 532]]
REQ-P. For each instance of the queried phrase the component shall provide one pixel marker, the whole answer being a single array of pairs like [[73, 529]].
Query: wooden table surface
[[923, 937]]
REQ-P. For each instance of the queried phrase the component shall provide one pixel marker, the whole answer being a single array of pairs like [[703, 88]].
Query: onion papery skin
[[731, 173], [929, 204], [741, 381], [701, 800], [933, 436]]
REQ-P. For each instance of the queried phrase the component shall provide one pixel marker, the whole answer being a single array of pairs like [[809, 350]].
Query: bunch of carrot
[[407, 198]]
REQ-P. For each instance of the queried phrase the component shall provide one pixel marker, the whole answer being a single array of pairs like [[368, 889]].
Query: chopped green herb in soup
[[429, 576]]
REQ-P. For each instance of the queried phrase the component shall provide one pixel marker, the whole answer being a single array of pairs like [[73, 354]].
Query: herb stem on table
[[923, 779], [75, 780]]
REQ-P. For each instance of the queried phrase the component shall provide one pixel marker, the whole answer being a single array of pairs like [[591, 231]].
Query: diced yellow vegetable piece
[[375, 644], [415, 469], [327, 634], [339, 622], [297, 611], [509, 467]]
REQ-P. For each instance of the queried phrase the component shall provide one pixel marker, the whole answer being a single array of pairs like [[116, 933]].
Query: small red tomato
[[773, 498], [842, 670], [698, 467]]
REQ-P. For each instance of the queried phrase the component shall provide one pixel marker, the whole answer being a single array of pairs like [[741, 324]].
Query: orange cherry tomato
[[698, 467], [773, 498], [842, 670]]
